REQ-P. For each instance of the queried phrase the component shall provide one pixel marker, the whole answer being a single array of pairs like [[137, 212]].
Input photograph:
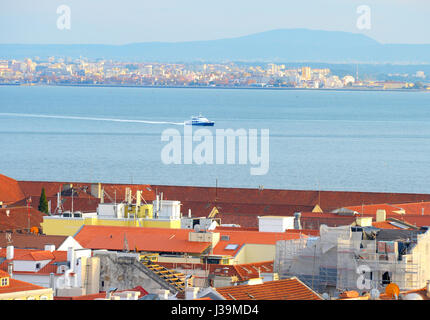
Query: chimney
[[9, 252], [10, 269], [96, 190], [297, 224], [71, 257], [381, 215], [51, 281], [428, 288], [191, 293], [189, 213], [49, 247]]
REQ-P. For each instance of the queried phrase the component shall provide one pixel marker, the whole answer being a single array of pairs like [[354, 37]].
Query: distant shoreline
[[212, 87]]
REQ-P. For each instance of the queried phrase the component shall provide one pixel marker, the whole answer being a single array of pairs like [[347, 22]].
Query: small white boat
[[199, 121]]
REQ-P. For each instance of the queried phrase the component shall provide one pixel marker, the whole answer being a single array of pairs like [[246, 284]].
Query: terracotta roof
[[35, 255], [240, 238], [414, 208], [385, 225], [17, 286], [34, 188], [9, 190], [28, 254], [32, 241], [417, 220], [144, 239], [327, 199], [286, 289], [16, 218], [83, 204]]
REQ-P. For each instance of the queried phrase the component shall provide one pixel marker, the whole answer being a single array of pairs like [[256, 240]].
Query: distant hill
[[285, 45]]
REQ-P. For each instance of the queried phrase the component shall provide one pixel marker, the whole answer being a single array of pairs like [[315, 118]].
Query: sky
[[127, 21]]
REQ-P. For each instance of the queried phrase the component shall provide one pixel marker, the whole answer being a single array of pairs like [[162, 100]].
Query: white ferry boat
[[199, 121]]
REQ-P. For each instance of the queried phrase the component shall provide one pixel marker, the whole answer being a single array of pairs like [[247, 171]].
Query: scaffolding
[[339, 260]]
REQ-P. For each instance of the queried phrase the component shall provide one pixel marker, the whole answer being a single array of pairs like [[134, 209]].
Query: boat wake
[[88, 118]]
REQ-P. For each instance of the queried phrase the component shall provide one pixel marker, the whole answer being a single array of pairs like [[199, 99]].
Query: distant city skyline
[[110, 22]]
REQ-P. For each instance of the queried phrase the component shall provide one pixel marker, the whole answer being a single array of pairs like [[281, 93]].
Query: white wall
[[25, 265], [69, 242], [275, 224]]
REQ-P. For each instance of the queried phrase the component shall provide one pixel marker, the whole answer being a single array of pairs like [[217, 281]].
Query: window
[[37, 265], [231, 247], [386, 278], [4, 282]]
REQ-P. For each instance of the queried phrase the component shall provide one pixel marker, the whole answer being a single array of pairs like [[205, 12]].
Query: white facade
[[111, 210], [275, 224], [70, 242], [167, 209]]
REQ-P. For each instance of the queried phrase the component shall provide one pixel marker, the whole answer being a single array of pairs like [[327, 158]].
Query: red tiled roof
[[35, 255], [414, 208], [327, 199], [241, 238], [32, 241], [144, 239], [17, 286], [34, 188], [286, 289], [384, 225], [9, 190], [16, 218], [83, 204], [28, 254]]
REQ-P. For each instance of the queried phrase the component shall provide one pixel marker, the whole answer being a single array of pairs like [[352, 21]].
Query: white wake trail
[[87, 118]]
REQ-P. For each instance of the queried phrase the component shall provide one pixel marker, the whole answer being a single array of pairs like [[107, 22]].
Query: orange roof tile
[[241, 238], [9, 190], [286, 289], [144, 239], [17, 286], [32, 241], [16, 218]]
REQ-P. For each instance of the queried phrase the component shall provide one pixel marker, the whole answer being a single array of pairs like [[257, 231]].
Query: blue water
[[331, 140]]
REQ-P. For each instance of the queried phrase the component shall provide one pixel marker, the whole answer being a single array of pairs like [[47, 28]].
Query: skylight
[[231, 247]]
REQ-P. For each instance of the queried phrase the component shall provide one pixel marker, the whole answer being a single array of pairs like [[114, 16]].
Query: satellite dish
[[392, 290], [374, 294], [197, 228], [325, 296]]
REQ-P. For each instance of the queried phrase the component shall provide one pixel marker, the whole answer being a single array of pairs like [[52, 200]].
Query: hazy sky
[[126, 21]]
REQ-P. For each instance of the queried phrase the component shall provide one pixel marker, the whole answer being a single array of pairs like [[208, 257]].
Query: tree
[[43, 203]]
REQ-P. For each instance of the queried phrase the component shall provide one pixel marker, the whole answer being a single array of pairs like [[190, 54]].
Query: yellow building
[[110, 214], [11, 289]]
